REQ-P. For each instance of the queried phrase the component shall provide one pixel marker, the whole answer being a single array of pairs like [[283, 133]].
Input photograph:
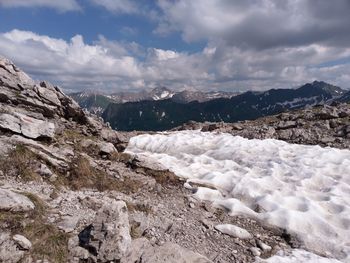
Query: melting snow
[[304, 189]]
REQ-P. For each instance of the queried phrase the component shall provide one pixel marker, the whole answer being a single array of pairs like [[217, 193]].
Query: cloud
[[259, 24], [61, 5], [113, 65], [74, 64], [118, 6]]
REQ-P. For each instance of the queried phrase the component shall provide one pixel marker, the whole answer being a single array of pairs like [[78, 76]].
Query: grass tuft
[[48, 242], [19, 163]]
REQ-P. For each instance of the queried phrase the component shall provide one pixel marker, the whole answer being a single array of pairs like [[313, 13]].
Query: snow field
[[304, 189]]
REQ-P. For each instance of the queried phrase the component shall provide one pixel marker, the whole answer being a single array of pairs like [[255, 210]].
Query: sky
[[232, 45]]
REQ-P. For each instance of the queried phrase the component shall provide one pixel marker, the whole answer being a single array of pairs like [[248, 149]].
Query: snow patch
[[304, 189]]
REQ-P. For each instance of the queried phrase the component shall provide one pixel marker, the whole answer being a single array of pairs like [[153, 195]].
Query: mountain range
[[96, 102], [158, 115]]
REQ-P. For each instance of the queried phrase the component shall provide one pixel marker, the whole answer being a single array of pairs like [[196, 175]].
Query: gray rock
[[9, 122], [9, 251], [233, 231], [255, 251], [286, 125], [48, 93], [106, 148], [11, 201], [263, 246], [102, 147], [108, 238], [43, 170], [27, 126], [22, 241], [68, 223], [172, 253], [77, 253], [138, 248], [327, 114]]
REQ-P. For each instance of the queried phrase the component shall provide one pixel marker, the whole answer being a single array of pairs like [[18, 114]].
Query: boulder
[[22, 242], [103, 148], [108, 237], [106, 148], [11, 201], [138, 248]]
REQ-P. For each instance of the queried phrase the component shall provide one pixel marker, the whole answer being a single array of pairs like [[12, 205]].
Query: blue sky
[[92, 21], [112, 45]]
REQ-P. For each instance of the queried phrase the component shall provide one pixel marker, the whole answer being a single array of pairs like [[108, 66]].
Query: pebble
[[255, 251]]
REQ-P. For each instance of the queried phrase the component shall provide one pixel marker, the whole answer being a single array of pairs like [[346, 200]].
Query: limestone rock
[[233, 231], [104, 148], [108, 238], [68, 223], [22, 241], [172, 253], [27, 126], [48, 93], [9, 251], [138, 247], [11, 201], [43, 170]]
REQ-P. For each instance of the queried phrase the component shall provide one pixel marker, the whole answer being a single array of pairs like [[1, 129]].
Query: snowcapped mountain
[[167, 114], [97, 102], [160, 93], [187, 96]]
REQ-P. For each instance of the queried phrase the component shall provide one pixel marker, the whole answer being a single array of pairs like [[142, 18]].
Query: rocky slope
[[324, 125], [167, 114], [69, 194]]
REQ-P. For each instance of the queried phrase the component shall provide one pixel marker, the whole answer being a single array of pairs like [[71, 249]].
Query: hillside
[[167, 114]]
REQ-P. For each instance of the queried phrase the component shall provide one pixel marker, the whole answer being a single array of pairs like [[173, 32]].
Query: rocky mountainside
[[93, 102], [324, 125], [69, 194], [96, 103], [167, 114]]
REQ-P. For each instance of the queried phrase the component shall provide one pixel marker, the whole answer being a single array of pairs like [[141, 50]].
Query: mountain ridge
[[167, 114]]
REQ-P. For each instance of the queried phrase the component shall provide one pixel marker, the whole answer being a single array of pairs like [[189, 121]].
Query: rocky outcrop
[[326, 125], [107, 238], [11, 201], [27, 126]]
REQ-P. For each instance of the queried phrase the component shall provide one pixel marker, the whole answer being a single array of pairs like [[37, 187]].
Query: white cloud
[[118, 6], [111, 65], [61, 5], [259, 24], [165, 54]]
